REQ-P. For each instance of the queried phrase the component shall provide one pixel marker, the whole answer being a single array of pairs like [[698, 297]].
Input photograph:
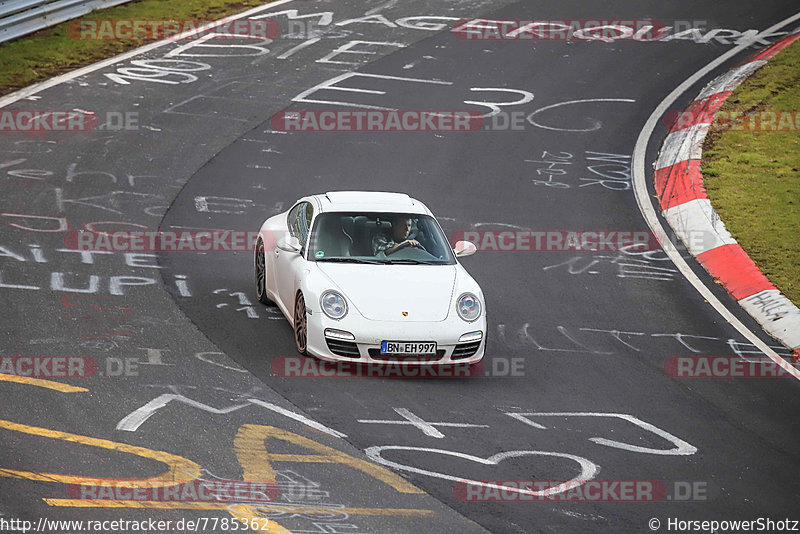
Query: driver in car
[[401, 227]]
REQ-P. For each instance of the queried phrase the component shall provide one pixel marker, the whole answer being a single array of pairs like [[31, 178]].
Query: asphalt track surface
[[589, 334]]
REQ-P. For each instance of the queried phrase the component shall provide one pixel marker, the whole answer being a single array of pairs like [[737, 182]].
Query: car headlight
[[468, 307], [333, 304]]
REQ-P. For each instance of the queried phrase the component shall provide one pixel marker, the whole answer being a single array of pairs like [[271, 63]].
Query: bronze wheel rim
[[261, 271], [300, 326]]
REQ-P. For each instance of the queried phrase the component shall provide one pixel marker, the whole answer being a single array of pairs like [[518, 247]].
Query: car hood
[[384, 292]]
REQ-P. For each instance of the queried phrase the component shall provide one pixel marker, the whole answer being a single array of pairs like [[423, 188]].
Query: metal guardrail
[[21, 17]]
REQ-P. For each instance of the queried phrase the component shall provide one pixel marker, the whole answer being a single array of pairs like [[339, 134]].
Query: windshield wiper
[[410, 261], [353, 260]]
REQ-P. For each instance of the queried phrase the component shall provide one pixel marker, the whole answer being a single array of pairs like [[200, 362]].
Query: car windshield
[[379, 238]]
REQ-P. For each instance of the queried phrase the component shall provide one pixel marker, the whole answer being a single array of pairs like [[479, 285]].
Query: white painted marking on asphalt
[[597, 126], [387, 5], [331, 86], [299, 47], [527, 421], [564, 332], [525, 97], [325, 17], [298, 417], [616, 334], [202, 356], [649, 213], [134, 420], [347, 48], [252, 50], [429, 429], [588, 468], [681, 448], [372, 19]]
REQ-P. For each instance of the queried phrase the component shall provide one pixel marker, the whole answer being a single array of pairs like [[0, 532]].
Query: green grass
[[752, 178], [53, 51]]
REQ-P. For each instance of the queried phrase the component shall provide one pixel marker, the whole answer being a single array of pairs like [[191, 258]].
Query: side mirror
[[290, 244], [464, 248]]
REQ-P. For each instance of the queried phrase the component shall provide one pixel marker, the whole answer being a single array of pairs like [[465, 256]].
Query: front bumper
[[366, 346]]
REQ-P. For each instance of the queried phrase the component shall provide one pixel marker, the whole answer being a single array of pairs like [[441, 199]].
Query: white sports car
[[370, 277]]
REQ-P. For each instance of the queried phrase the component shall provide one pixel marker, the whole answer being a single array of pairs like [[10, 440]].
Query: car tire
[[300, 325], [260, 264]]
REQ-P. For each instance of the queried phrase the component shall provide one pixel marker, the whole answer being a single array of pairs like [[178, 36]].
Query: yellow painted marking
[[262, 508], [161, 505], [246, 515], [41, 383], [251, 450], [180, 469]]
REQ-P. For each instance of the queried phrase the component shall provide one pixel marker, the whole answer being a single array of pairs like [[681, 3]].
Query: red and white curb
[[685, 206]]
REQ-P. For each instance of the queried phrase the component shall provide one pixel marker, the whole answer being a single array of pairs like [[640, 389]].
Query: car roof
[[369, 201]]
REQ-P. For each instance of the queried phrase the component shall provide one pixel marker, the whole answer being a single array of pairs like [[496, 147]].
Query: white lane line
[[26, 92], [649, 213]]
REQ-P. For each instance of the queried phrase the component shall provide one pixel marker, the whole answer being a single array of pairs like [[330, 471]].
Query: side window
[[291, 220], [305, 221], [299, 221]]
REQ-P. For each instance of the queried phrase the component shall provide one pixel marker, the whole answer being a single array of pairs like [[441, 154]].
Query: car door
[[289, 265]]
